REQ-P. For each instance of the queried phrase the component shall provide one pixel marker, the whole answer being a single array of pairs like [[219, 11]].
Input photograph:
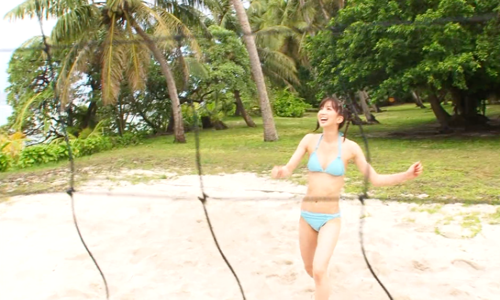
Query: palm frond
[[96, 131], [138, 61], [273, 37], [48, 8], [196, 68], [168, 25], [114, 63], [21, 117], [72, 25], [277, 79], [276, 30], [36, 44], [114, 6], [280, 64], [29, 8], [75, 62]]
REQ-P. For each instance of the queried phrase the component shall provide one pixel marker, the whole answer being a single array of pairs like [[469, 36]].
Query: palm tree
[[302, 17], [279, 27], [112, 25], [270, 133], [277, 67]]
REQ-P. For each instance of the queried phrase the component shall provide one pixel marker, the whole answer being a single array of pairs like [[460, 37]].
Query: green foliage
[[226, 69], [126, 139], [58, 150], [229, 151], [85, 133], [188, 114], [5, 162], [91, 145], [38, 154], [153, 104], [214, 110], [288, 104], [417, 51], [306, 89], [29, 92]]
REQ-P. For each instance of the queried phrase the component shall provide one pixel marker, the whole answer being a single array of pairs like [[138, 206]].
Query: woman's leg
[[327, 240], [308, 241]]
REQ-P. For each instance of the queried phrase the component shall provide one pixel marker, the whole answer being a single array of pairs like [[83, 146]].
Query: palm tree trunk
[[340, 4], [119, 118], [307, 18], [241, 108], [185, 72], [172, 89], [325, 13], [270, 133]]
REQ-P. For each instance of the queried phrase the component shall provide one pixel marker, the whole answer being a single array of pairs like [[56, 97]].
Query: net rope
[[204, 196]]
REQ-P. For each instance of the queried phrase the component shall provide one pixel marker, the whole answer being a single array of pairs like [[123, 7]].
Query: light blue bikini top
[[335, 168]]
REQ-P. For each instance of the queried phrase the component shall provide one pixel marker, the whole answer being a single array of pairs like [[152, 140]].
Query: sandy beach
[[152, 241]]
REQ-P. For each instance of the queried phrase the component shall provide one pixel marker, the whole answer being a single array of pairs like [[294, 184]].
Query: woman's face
[[328, 116]]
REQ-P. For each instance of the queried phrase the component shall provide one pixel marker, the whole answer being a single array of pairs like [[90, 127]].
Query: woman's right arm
[[287, 170]]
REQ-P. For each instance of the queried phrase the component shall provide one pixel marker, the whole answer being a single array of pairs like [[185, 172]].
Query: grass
[[456, 167], [469, 224], [494, 218], [430, 210]]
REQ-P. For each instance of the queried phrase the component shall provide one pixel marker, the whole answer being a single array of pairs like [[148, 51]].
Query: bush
[[126, 139], [189, 115], [92, 145], [5, 162], [46, 153], [287, 104], [36, 155]]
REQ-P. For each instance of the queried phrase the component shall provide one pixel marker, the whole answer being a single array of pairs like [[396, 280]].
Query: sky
[[12, 35]]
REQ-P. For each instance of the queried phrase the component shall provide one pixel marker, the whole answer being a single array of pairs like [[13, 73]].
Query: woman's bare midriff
[[323, 193]]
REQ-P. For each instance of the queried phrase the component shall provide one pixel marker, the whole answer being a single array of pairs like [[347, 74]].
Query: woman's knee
[[309, 269], [319, 272]]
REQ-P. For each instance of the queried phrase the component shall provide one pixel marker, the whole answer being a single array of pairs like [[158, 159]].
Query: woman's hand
[[287, 170], [414, 171], [279, 172]]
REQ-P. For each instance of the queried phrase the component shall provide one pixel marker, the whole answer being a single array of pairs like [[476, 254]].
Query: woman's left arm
[[383, 179]]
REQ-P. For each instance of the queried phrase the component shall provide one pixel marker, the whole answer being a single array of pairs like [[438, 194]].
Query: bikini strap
[[317, 145], [340, 144]]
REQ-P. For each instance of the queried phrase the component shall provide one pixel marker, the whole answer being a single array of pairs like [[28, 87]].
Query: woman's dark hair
[[340, 108]]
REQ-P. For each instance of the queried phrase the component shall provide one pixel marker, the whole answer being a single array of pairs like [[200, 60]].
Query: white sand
[[151, 248]]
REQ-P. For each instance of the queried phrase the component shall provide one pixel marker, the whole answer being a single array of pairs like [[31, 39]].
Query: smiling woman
[[329, 154]]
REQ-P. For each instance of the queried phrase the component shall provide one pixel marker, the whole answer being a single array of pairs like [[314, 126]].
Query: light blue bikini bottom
[[317, 220]]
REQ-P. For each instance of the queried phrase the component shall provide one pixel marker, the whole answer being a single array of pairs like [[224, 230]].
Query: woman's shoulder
[[309, 139], [349, 142], [351, 146], [312, 135]]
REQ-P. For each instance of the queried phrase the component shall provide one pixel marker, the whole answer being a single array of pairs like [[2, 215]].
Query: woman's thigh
[[308, 240], [327, 240]]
